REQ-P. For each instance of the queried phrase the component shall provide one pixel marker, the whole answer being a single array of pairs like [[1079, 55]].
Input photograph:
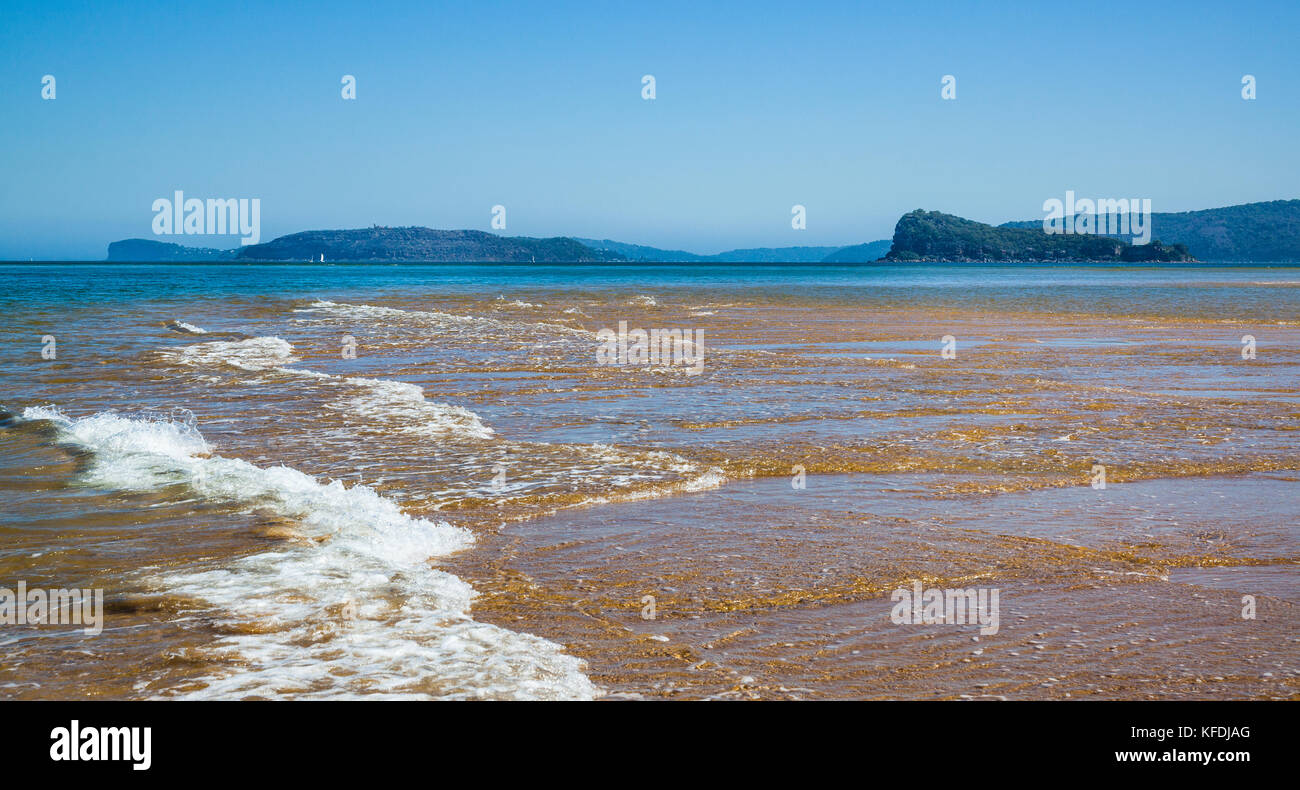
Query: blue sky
[[537, 106]]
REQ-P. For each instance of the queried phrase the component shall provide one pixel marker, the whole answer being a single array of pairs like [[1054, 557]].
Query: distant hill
[[775, 255], [1263, 232], [860, 253], [641, 252], [934, 236], [421, 244], [1267, 231], [426, 244], [150, 251]]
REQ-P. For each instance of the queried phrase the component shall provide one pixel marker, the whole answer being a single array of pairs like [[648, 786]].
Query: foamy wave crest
[[350, 608], [649, 467], [188, 329], [405, 404], [255, 353], [366, 311], [447, 322]]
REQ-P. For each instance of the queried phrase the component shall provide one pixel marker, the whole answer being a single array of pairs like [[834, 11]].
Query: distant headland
[[933, 237], [1264, 232]]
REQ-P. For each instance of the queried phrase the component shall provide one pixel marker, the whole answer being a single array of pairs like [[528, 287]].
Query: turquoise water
[[106, 281]]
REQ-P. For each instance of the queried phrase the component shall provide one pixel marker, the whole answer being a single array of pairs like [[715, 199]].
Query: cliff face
[[147, 250], [421, 244], [926, 236]]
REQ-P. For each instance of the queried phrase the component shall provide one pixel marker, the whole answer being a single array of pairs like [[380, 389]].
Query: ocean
[[423, 481]]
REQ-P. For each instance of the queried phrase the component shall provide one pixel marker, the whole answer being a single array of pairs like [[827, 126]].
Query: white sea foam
[[255, 353], [354, 608], [648, 466], [447, 322], [398, 404], [374, 312], [189, 329], [516, 303], [405, 404]]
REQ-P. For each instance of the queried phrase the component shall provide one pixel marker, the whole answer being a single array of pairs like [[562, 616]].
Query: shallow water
[[473, 507]]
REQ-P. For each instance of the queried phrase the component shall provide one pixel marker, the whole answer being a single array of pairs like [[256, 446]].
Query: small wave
[[447, 322], [405, 403], [390, 401], [353, 609], [253, 354], [188, 329], [649, 466]]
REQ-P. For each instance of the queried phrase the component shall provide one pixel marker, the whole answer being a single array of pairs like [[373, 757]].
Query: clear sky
[[759, 106]]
